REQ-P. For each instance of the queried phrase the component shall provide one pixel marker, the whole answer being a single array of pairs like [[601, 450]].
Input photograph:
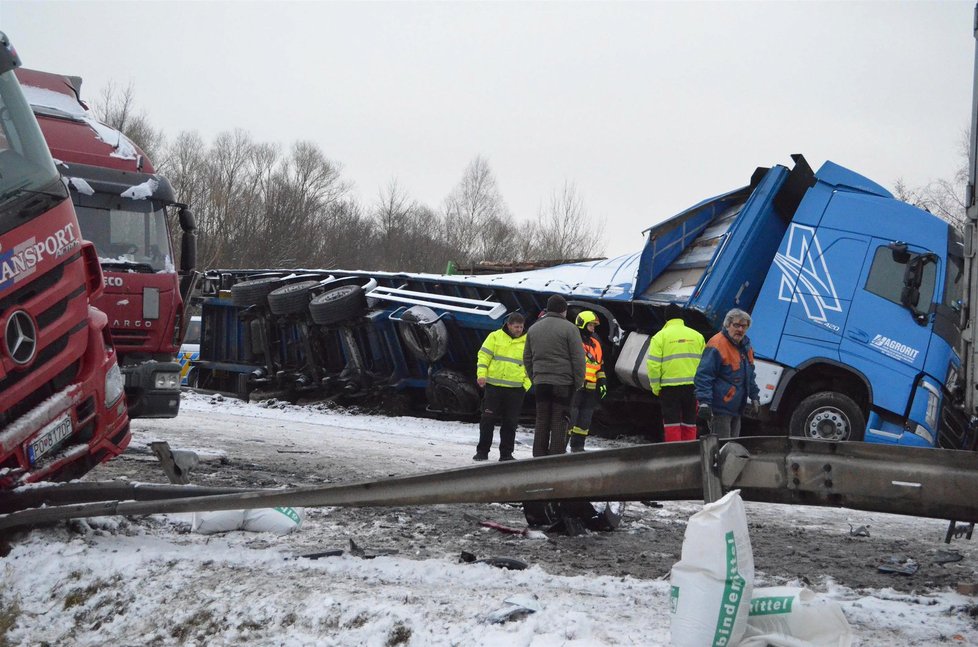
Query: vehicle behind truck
[[122, 206], [62, 405]]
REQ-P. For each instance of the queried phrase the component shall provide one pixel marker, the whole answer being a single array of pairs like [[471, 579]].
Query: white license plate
[[49, 438]]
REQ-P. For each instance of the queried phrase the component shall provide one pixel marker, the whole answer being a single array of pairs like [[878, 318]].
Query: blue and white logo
[[804, 263]]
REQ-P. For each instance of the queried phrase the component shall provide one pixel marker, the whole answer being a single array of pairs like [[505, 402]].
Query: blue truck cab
[[855, 298]]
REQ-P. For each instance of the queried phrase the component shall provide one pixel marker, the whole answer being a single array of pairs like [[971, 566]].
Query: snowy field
[[151, 581]]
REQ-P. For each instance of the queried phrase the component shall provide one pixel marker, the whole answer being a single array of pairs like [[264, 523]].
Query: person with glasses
[[725, 384]]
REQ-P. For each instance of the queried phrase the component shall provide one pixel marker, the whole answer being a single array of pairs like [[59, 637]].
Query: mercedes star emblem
[[21, 337]]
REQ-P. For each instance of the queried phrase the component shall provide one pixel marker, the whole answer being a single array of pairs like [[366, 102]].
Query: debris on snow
[[899, 564], [860, 531], [519, 607]]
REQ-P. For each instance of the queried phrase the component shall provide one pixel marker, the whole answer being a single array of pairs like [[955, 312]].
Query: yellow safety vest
[[674, 355], [500, 360]]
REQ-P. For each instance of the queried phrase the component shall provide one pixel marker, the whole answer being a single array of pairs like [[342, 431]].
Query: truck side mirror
[[900, 253], [186, 217], [188, 252], [188, 241]]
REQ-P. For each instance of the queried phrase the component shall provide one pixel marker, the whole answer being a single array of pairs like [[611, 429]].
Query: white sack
[[712, 582], [787, 616], [280, 521], [207, 523]]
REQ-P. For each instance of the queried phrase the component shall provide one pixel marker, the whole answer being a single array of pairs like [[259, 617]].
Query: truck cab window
[[887, 275], [130, 235], [26, 169]]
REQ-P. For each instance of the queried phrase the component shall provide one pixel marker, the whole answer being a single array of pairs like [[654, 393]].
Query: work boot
[[480, 457], [507, 457]]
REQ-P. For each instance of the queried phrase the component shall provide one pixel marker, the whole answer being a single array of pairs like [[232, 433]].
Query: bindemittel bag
[[786, 616], [712, 582]]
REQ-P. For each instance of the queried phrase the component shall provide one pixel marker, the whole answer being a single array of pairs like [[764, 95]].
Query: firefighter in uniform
[[586, 399], [674, 355], [499, 369]]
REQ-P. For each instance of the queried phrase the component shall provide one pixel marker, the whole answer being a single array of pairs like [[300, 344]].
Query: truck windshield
[[128, 234], [29, 183]]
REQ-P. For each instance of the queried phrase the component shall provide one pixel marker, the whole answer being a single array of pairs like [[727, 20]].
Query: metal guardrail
[[921, 482]]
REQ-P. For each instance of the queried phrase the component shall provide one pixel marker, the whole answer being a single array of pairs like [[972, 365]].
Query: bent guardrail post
[[710, 467]]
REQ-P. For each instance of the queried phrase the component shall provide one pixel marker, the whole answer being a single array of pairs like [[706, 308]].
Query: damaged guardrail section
[[939, 484]]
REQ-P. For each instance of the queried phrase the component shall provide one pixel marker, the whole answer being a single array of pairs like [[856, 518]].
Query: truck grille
[[126, 338], [58, 320]]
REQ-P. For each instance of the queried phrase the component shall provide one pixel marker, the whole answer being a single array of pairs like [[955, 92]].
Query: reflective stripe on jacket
[[725, 379], [593, 362], [674, 355], [500, 360]]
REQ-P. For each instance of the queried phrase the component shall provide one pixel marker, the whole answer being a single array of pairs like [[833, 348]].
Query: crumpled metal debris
[[899, 564], [858, 531], [519, 606]]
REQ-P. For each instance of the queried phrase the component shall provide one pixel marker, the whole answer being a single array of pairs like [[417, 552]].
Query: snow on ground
[[150, 581]]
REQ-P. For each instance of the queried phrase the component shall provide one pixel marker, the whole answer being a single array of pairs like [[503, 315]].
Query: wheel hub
[[828, 423]]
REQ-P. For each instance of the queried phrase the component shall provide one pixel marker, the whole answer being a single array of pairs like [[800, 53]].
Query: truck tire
[[828, 415], [249, 293], [451, 392], [425, 340], [290, 299], [339, 304]]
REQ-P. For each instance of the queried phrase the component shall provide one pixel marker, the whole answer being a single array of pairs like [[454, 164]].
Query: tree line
[[257, 205]]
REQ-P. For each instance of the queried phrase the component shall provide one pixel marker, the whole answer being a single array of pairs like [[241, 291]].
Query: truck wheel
[[828, 415], [426, 341], [340, 304], [450, 392], [249, 293], [290, 299]]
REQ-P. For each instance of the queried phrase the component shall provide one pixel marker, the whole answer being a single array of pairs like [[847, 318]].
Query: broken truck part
[[900, 480]]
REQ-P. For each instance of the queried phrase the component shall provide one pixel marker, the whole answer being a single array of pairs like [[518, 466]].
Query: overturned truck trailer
[[856, 299]]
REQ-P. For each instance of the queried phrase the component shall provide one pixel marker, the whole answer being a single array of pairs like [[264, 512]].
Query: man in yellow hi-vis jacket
[[674, 356], [499, 369]]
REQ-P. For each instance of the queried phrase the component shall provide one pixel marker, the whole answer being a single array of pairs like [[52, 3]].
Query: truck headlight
[[115, 384], [166, 381]]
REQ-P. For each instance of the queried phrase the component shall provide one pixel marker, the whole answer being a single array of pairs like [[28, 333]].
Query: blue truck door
[[811, 284], [882, 339]]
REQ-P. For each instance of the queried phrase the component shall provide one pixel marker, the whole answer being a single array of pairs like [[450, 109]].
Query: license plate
[[49, 438]]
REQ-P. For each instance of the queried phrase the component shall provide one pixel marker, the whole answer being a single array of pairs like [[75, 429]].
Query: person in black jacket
[[554, 361]]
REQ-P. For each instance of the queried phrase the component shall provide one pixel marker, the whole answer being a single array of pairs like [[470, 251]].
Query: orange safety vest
[[592, 362]]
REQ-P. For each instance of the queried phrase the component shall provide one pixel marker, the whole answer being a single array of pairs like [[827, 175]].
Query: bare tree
[[564, 229], [409, 234], [117, 108], [474, 214], [942, 197]]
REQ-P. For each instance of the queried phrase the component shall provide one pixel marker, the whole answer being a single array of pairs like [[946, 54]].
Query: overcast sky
[[647, 107]]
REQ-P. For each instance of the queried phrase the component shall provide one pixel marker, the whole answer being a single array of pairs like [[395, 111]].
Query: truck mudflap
[[901, 480], [153, 389]]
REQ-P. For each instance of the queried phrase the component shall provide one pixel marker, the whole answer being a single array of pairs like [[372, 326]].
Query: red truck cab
[[62, 409], [122, 206]]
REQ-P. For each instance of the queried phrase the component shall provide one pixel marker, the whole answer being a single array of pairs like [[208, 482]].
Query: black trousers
[[553, 404], [582, 407], [503, 404]]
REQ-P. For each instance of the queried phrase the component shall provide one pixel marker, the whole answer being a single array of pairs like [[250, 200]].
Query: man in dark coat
[[725, 381], [554, 361]]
